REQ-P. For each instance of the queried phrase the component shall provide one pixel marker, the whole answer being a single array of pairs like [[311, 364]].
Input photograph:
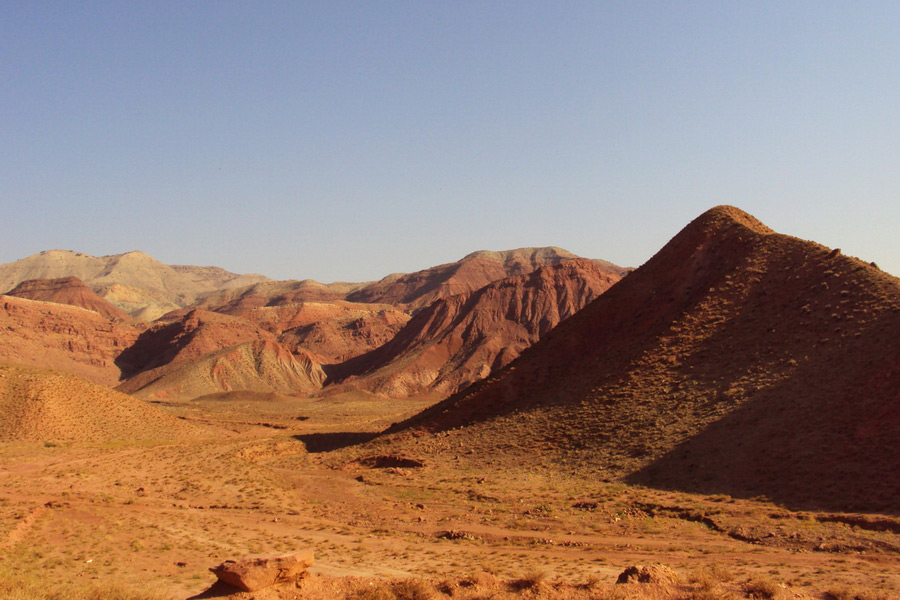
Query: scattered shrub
[[530, 580], [413, 589], [763, 589]]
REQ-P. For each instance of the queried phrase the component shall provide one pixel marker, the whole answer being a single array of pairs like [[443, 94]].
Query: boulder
[[648, 574], [256, 573]]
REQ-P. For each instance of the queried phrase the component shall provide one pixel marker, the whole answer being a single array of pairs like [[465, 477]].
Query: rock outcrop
[[656, 573], [258, 573]]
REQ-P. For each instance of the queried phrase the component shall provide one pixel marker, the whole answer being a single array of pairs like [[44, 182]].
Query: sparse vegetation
[[485, 499], [20, 590]]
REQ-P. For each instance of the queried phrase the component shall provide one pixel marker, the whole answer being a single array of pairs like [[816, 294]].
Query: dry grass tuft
[[531, 580], [414, 589], [763, 589], [20, 590]]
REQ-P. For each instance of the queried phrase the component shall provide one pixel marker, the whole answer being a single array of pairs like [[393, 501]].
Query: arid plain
[[519, 424]]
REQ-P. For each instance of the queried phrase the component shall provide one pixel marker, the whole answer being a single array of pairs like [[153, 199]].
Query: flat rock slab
[[256, 573]]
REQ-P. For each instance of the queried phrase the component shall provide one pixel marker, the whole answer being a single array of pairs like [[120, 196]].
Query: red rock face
[[737, 360], [458, 340], [67, 338], [414, 291], [188, 338], [258, 573], [67, 290]]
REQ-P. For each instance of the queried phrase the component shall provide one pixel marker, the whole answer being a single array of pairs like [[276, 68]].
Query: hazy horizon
[[346, 141]]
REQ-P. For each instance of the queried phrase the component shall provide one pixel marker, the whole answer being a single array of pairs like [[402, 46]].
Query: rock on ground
[[257, 573]]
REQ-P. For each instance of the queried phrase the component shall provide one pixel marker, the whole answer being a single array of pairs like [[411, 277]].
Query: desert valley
[[720, 422]]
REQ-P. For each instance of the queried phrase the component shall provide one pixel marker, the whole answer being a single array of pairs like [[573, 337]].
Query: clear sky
[[347, 140]]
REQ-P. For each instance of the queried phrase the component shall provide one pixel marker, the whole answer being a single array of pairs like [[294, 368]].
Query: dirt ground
[[275, 477]]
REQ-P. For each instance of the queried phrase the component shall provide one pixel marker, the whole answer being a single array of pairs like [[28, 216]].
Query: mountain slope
[[134, 282], [63, 337], [260, 366], [416, 290], [458, 340], [333, 330], [737, 360], [67, 290], [45, 405], [185, 339]]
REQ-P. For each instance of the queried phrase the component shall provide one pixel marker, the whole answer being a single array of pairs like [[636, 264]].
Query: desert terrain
[[520, 424]]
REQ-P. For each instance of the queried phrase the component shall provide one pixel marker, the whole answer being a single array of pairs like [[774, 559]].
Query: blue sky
[[347, 140]]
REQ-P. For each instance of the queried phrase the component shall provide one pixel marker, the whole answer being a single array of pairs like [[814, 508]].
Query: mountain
[[259, 366], [310, 315], [185, 339], [67, 290], [134, 282], [241, 300], [63, 337], [736, 361], [460, 339], [49, 406], [414, 291], [203, 352]]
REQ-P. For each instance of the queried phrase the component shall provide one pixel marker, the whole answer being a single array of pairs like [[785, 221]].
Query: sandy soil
[[273, 479]]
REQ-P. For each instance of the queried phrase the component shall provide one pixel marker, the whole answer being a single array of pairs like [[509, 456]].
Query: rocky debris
[[655, 573], [453, 534], [257, 573]]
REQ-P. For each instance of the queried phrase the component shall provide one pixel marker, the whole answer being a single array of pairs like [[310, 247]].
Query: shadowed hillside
[[332, 330], [187, 338], [737, 360]]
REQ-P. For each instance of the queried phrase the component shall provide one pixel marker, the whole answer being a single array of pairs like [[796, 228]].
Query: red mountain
[[67, 290], [458, 340], [188, 338], [62, 337], [417, 290], [737, 360]]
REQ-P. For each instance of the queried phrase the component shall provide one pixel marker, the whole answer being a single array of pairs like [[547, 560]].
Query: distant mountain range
[[471, 316], [134, 282]]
